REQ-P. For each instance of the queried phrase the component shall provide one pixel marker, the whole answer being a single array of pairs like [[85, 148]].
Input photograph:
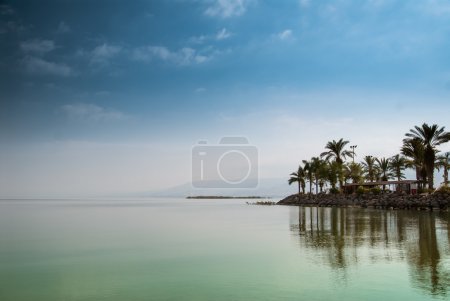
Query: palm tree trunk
[[430, 175], [299, 187], [418, 177]]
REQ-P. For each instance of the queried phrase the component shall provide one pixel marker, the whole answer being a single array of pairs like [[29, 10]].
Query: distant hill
[[274, 187]]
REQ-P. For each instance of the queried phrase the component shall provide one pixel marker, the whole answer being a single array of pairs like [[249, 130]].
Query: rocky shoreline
[[439, 200]]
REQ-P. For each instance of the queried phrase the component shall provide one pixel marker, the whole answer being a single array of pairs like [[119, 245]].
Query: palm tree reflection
[[342, 237]]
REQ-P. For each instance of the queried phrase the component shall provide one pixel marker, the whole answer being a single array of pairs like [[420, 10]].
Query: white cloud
[[220, 35], [223, 34], [285, 34], [227, 8], [305, 3], [37, 46], [435, 7], [36, 65], [101, 54], [92, 112], [63, 28], [184, 56], [198, 39], [200, 90]]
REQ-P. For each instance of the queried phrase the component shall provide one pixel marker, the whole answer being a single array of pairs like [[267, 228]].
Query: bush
[[445, 189], [427, 190], [334, 190], [360, 190], [375, 190]]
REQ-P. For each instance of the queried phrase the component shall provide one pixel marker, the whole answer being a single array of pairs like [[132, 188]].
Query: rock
[[438, 200]]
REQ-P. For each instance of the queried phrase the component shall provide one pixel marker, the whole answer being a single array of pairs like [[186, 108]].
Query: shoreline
[[435, 201], [220, 197]]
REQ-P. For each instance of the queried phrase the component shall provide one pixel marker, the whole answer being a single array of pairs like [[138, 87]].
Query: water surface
[[177, 249]]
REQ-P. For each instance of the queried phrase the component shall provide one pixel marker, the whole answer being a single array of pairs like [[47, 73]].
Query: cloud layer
[[92, 112], [227, 8], [39, 66]]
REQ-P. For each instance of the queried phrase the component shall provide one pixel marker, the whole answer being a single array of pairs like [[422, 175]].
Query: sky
[[107, 97]]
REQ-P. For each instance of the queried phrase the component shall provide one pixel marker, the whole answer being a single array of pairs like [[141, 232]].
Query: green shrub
[[445, 189], [375, 190], [360, 190]]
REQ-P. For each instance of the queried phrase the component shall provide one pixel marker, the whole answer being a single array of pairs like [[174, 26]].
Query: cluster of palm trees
[[419, 151]]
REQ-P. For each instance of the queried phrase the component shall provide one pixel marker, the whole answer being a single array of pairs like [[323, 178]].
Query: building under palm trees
[[402, 186]]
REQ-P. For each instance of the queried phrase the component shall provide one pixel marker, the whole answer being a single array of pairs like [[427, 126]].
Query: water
[[176, 249]]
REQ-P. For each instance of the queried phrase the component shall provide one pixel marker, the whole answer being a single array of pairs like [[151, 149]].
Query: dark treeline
[[419, 151]]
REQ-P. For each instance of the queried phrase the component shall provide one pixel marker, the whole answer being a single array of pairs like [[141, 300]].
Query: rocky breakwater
[[438, 200]]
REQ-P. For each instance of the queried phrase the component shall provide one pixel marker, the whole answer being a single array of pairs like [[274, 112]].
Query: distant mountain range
[[274, 187]]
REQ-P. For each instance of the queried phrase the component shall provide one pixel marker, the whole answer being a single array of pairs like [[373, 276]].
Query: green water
[[176, 249]]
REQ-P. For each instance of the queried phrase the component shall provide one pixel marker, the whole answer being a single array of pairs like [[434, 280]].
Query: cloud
[[36, 65], [435, 7], [220, 35], [92, 112], [12, 26], [103, 53], [63, 28], [184, 56], [200, 90], [198, 39], [285, 35], [6, 10], [223, 34], [305, 3], [227, 8], [37, 46]]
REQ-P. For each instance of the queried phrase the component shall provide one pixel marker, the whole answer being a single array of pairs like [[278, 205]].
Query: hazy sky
[[101, 97]]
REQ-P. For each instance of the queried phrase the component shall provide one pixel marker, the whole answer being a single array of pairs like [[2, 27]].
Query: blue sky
[[100, 97]]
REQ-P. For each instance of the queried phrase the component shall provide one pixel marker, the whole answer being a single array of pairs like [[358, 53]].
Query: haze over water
[[177, 249]]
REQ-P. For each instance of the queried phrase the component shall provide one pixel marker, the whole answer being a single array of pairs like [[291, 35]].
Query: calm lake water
[[176, 249]]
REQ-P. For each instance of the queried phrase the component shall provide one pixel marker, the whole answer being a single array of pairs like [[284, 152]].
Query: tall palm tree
[[336, 150], [298, 177], [322, 173], [443, 161], [354, 172], [333, 173], [317, 165], [430, 137], [384, 166], [415, 151], [309, 173], [398, 164], [369, 168]]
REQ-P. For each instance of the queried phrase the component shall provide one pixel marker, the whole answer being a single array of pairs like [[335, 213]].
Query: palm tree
[[430, 137], [414, 150], [385, 172], [322, 173], [397, 164], [333, 173], [336, 150], [354, 172], [369, 168], [443, 161], [309, 173], [317, 166], [298, 177]]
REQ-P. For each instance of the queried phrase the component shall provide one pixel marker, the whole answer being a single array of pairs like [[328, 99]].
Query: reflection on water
[[342, 237]]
